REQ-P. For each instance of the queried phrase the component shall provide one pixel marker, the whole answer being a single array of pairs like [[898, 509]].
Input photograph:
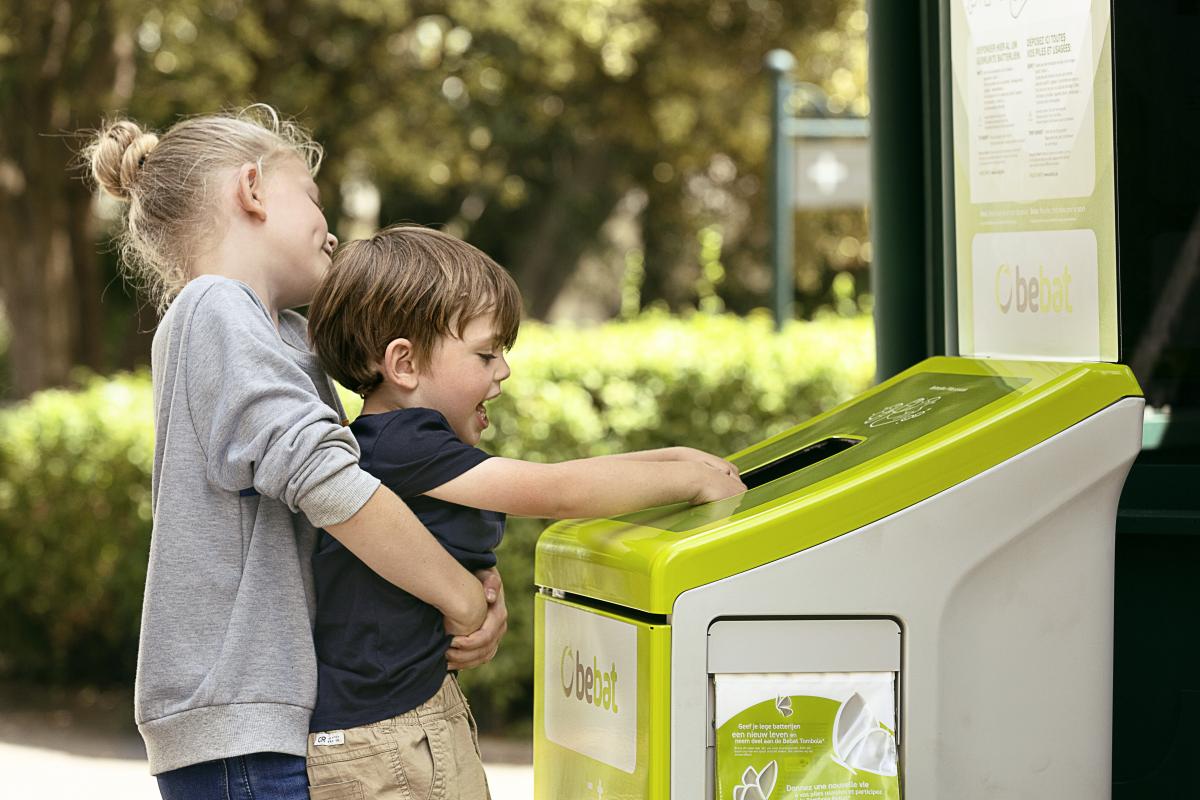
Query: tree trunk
[[546, 255], [671, 269], [50, 281]]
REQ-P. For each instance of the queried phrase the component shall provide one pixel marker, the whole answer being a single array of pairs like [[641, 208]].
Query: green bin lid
[[932, 426]]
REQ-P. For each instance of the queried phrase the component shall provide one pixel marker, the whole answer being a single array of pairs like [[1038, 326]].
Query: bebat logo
[[588, 684], [1040, 294]]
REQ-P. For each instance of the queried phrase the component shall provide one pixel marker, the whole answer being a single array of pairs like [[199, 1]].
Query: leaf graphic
[[853, 720], [783, 705], [860, 741], [749, 777], [875, 752], [766, 779], [739, 793]]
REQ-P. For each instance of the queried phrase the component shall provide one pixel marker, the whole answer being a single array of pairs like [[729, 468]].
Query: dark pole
[[780, 63], [898, 184]]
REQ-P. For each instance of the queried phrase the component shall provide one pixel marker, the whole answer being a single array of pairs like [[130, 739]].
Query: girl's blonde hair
[[168, 182]]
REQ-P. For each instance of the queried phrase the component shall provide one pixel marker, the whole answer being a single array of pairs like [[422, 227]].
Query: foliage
[[530, 127], [75, 470], [521, 125], [75, 530]]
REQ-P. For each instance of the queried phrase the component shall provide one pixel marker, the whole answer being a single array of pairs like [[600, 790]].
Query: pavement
[[83, 743]]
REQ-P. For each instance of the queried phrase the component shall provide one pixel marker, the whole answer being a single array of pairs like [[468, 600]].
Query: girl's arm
[[589, 487], [409, 557], [263, 427], [481, 646]]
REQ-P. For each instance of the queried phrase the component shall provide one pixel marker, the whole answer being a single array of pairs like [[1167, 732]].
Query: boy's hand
[[708, 459], [481, 645], [713, 484]]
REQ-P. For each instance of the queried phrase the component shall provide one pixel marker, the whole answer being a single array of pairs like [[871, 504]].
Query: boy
[[417, 322]]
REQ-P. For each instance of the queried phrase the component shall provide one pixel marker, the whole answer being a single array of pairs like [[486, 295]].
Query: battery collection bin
[[913, 598]]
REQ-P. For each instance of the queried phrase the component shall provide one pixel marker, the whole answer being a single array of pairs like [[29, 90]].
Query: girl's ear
[[398, 366], [250, 191]]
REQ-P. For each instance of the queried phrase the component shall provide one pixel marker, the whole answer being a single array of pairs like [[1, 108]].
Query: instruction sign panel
[[1034, 179]]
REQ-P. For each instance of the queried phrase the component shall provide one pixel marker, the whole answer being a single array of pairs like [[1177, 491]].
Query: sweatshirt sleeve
[[258, 416]]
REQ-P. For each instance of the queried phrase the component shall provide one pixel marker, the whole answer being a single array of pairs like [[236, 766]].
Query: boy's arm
[[588, 487], [678, 454], [408, 556]]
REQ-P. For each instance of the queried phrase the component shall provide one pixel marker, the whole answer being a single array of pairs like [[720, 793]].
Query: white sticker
[[590, 685], [1036, 295], [325, 739]]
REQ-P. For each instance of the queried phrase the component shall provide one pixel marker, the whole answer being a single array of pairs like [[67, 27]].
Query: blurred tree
[[523, 124], [520, 125]]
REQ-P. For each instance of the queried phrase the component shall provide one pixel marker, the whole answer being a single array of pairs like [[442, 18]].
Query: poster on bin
[[809, 736]]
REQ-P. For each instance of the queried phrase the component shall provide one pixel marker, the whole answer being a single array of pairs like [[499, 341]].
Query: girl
[[225, 233]]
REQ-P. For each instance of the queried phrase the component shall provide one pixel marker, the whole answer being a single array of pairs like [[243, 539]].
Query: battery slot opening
[[794, 462]]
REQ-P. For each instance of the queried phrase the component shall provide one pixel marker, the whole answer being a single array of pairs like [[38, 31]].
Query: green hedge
[[74, 530], [75, 470]]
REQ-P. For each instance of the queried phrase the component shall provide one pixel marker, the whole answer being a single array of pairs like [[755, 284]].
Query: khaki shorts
[[429, 753]]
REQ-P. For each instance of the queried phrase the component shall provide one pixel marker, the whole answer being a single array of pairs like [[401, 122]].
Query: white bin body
[[1003, 589]]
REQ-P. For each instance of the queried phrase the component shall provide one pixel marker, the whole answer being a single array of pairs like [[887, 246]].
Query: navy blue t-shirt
[[381, 651]]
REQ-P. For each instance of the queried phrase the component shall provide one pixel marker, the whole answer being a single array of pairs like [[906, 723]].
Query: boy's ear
[[398, 366], [250, 191]]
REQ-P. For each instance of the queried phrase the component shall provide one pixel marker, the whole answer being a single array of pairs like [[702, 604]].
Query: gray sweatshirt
[[249, 455]]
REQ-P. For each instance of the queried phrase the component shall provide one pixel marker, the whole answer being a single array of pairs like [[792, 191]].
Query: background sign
[[833, 173], [1035, 214]]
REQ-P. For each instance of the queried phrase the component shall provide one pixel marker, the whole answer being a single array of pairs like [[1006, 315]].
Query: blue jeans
[[258, 776]]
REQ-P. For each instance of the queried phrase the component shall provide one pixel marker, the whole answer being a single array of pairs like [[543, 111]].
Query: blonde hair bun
[[170, 213], [118, 154]]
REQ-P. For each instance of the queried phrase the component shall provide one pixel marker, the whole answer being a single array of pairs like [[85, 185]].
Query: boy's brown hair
[[409, 282]]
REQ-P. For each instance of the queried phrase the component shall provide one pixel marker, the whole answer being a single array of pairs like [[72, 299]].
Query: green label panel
[[601, 704]]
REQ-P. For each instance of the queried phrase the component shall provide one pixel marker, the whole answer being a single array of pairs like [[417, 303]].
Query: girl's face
[[300, 244]]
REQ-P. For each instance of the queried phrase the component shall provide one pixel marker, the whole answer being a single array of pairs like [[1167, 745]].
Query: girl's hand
[[481, 646], [714, 484], [473, 613], [708, 459]]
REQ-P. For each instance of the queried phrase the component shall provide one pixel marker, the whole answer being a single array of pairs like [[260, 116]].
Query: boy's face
[[461, 375]]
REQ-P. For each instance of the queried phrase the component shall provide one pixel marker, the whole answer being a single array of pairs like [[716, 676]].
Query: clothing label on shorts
[[325, 739]]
